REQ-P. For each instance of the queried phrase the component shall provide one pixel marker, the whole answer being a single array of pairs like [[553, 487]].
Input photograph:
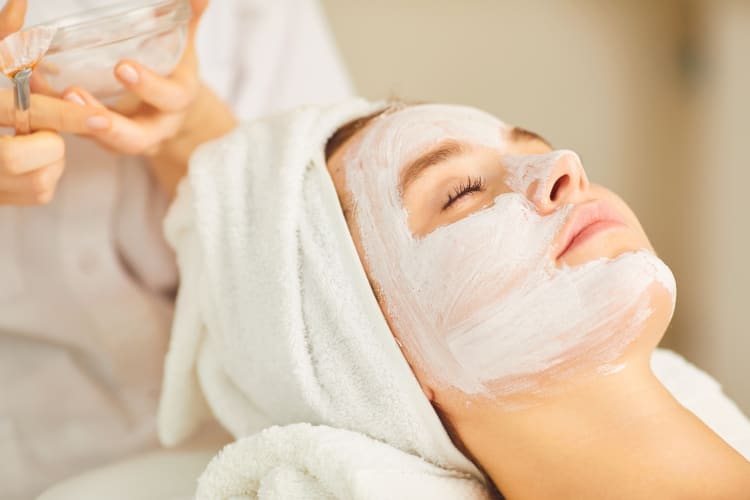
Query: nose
[[561, 181]]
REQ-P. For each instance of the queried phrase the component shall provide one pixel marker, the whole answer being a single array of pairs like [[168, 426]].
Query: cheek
[[459, 277], [422, 203]]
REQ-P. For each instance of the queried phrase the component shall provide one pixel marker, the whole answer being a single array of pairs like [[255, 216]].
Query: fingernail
[[128, 73], [73, 97], [97, 123]]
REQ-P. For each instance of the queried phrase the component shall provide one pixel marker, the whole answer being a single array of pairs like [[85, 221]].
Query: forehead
[[399, 137], [444, 116]]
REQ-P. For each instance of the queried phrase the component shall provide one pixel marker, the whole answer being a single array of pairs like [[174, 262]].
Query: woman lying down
[[391, 301]]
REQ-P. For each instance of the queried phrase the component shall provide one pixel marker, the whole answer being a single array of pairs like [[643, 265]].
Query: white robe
[[87, 282]]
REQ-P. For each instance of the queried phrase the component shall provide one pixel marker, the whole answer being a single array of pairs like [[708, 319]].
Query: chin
[[662, 298], [662, 307]]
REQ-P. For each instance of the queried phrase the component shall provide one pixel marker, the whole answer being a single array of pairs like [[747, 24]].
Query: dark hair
[[347, 131]]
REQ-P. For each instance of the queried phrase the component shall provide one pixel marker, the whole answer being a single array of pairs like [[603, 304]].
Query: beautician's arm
[[209, 118]]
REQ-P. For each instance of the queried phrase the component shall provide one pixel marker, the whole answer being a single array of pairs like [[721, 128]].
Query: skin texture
[[168, 118], [628, 434]]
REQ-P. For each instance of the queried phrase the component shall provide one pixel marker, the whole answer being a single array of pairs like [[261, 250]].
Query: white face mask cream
[[479, 304]]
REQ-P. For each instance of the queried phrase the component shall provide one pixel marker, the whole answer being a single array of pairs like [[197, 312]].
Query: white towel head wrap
[[276, 322]]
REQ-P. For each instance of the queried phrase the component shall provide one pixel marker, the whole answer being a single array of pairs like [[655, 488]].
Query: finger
[[173, 93], [135, 135], [12, 16], [83, 97], [177, 91], [25, 153], [39, 84], [32, 188], [50, 113], [139, 135]]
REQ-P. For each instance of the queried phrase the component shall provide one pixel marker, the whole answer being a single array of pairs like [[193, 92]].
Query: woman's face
[[501, 270]]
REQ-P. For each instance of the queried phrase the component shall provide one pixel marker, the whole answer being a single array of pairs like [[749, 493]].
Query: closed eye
[[471, 185]]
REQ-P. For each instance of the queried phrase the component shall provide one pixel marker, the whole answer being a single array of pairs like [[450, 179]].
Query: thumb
[[12, 16], [198, 7]]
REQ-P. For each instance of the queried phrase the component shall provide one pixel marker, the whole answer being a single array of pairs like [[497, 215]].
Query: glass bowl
[[88, 45]]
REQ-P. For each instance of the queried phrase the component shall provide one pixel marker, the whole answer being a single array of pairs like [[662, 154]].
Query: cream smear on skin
[[479, 304]]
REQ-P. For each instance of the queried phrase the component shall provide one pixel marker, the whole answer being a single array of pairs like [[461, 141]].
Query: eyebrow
[[518, 134], [443, 152]]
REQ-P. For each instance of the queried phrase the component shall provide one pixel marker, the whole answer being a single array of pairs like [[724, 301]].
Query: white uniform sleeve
[[264, 56]]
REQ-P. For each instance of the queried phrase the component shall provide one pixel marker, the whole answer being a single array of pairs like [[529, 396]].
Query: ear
[[420, 377], [427, 390], [12, 16]]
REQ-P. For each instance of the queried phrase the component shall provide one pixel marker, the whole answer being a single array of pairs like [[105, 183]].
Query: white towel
[[276, 323], [305, 462]]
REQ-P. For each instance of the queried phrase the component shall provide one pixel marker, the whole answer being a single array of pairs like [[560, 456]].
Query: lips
[[586, 221]]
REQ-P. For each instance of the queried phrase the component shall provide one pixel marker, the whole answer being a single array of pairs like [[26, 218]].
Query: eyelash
[[471, 185]]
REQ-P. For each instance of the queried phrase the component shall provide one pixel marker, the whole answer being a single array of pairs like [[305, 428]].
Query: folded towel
[[275, 320], [306, 462]]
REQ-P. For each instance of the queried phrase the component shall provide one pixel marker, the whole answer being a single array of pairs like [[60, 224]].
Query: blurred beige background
[[654, 96]]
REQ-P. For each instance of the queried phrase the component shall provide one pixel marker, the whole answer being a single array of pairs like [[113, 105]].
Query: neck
[[620, 433]]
